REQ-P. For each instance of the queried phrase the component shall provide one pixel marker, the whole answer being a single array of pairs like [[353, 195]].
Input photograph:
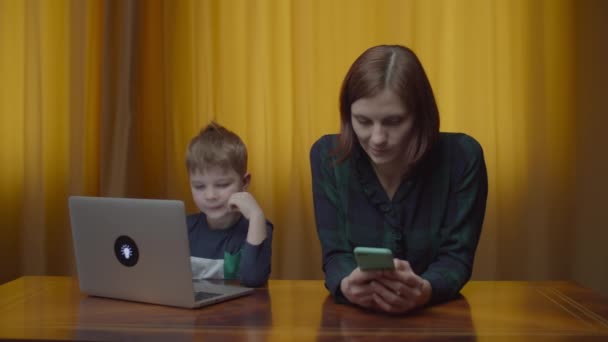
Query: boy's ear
[[246, 181]]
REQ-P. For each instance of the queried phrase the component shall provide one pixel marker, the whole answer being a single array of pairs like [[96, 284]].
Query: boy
[[230, 238]]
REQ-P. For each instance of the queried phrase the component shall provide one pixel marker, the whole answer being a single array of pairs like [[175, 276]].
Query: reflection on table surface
[[53, 308], [451, 320]]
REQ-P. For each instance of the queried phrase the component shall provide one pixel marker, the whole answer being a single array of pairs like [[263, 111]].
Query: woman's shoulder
[[460, 151], [320, 148], [325, 142], [461, 143]]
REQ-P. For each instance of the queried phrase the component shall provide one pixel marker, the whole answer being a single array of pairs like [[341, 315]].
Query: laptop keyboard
[[198, 296]]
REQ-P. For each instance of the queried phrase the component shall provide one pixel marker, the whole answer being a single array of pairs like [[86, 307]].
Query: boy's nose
[[210, 194]]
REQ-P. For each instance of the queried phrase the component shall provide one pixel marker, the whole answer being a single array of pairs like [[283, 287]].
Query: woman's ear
[[246, 181]]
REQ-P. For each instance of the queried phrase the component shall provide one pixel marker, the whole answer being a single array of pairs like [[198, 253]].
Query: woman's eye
[[393, 121], [199, 187], [364, 122]]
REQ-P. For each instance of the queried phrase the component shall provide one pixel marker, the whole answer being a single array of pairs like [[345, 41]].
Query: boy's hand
[[246, 204]]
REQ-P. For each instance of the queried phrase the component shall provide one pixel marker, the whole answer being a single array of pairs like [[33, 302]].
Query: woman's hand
[[357, 288], [395, 291], [400, 290]]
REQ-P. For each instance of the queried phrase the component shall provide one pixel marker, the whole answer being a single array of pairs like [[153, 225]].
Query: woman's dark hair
[[396, 68]]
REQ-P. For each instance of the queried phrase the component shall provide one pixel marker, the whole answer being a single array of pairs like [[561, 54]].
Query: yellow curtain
[[101, 98], [48, 128]]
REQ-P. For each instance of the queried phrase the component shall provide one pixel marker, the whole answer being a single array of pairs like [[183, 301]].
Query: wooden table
[[40, 308]]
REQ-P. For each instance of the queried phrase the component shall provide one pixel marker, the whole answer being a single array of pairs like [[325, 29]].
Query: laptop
[[138, 250]]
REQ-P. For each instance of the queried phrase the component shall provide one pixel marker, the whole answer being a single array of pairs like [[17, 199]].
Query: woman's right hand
[[357, 287]]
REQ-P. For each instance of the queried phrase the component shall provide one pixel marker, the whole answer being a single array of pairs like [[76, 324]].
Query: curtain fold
[[101, 98]]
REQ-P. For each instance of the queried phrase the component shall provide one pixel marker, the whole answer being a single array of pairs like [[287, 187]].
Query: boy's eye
[[223, 185], [199, 187]]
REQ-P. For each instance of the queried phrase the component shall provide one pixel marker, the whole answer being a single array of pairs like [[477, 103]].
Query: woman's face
[[383, 127]]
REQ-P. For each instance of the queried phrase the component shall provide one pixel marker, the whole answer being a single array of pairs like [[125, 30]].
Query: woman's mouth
[[377, 152]]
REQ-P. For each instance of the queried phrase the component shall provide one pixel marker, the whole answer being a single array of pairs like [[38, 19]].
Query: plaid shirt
[[433, 221]]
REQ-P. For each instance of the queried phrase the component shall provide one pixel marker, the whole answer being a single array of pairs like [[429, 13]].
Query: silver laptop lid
[[133, 249]]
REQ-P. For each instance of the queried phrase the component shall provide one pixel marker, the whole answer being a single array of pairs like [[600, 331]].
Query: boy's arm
[[255, 260], [257, 230], [248, 206]]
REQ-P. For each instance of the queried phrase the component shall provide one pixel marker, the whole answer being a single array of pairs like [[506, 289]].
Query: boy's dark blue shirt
[[226, 254], [433, 221]]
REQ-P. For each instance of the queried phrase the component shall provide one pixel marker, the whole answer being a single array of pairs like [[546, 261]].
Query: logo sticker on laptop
[[126, 251]]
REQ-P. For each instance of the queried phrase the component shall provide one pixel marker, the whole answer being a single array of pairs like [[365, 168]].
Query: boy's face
[[211, 190]]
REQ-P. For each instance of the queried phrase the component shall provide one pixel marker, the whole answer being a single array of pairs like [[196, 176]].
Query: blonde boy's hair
[[215, 146]]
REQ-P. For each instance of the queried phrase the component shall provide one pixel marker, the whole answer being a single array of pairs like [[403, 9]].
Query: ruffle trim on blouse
[[371, 187]]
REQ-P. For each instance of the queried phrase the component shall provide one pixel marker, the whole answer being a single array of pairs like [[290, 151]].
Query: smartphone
[[373, 258]]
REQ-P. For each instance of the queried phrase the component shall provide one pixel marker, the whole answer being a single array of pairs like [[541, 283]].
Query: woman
[[391, 179]]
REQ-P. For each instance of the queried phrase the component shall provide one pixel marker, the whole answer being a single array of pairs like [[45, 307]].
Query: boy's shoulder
[[198, 220], [193, 220]]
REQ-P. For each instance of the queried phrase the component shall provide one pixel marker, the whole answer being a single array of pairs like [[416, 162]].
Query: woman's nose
[[378, 136]]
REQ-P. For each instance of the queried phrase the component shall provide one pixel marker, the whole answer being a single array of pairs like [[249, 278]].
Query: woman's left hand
[[400, 290]]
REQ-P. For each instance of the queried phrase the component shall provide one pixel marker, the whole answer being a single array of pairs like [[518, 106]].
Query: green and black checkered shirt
[[433, 221]]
